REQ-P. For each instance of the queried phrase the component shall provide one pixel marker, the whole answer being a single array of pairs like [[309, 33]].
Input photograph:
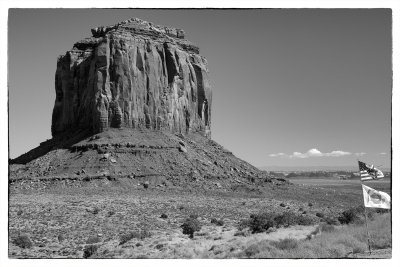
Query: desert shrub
[[219, 222], [110, 213], [331, 220], [60, 238], [96, 210], [352, 215], [261, 222], [23, 241], [304, 220], [310, 204], [190, 226], [89, 251], [285, 244], [285, 219], [159, 246], [290, 218], [164, 216], [282, 204]]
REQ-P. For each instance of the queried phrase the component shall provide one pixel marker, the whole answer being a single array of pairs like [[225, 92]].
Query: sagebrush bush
[[23, 241], [89, 251], [352, 215], [304, 220], [190, 226], [261, 222]]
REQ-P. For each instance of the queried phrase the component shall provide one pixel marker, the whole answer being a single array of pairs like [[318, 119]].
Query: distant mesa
[[133, 74]]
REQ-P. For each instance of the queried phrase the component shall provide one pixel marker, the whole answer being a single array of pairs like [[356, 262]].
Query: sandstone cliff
[[136, 75]]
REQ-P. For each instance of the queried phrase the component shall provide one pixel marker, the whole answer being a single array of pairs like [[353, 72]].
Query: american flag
[[369, 172]]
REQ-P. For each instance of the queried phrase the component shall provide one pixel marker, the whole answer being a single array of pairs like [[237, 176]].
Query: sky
[[291, 87]]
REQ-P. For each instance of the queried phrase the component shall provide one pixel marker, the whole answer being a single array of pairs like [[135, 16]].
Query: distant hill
[[315, 168]]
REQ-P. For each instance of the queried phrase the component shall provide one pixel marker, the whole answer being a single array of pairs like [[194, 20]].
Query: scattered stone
[[182, 149], [105, 156], [146, 184], [181, 143]]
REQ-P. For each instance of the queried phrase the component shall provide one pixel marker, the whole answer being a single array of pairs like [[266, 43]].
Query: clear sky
[[291, 87]]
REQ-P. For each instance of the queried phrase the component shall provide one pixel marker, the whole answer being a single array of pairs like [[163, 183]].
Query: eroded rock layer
[[136, 75]]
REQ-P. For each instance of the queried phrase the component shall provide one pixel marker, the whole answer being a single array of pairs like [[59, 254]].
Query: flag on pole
[[369, 172], [375, 199]]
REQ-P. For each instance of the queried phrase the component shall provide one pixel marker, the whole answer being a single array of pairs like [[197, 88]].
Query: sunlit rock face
[[136, 75]]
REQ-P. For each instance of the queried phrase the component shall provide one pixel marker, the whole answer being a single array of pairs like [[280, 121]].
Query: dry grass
[[337, 243]]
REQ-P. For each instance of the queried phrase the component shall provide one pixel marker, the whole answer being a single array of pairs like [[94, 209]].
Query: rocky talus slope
[[145, 157]]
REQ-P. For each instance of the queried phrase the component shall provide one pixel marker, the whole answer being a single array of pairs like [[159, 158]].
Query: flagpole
[[366, 227], [365, 215]]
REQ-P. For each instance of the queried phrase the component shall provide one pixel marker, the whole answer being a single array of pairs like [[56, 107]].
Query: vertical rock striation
[[136, 75]]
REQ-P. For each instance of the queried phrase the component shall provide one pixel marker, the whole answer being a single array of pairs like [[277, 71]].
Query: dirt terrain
[[63, 219], [75, 215], [126, 194]]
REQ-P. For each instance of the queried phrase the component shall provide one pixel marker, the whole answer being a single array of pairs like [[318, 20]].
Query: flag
[[375, 199], [369, 172]]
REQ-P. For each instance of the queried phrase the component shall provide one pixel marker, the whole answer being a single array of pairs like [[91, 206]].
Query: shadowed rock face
[[136, 75]]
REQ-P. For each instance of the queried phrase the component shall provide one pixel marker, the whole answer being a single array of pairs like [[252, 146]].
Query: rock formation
[[133, 105], [132, 75]]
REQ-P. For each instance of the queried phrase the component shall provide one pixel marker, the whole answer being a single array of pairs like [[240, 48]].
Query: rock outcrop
[[133, 75]]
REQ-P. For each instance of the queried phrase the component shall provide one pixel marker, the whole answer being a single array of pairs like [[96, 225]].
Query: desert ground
[[108, 219]]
